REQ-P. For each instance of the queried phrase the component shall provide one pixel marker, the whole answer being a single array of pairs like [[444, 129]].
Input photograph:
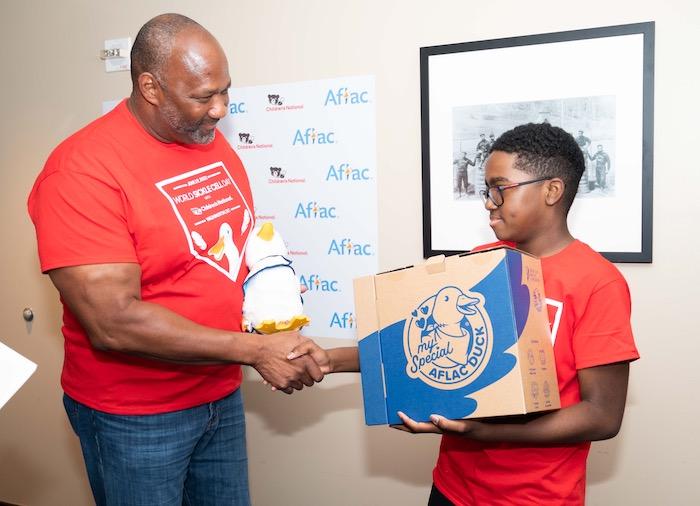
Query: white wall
[[312, 447]]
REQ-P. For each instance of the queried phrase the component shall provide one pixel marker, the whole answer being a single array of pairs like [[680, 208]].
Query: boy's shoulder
[[577, 263], [582, 265]]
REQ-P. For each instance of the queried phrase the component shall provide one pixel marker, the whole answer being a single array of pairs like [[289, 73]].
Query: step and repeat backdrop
[[309, 149]]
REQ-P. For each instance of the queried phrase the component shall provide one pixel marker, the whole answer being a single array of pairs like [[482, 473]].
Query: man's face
[[194, 88], [520, 215]]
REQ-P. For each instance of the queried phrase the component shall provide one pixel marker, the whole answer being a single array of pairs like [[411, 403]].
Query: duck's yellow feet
[[271, 326]]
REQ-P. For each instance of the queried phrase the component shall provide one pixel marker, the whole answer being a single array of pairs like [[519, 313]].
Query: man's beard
[[192, 130]]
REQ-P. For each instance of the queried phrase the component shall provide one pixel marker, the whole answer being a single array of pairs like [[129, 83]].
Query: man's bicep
[[98, 293]]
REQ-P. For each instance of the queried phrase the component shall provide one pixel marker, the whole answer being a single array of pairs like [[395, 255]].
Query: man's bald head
[[180, 80], [155, 41]]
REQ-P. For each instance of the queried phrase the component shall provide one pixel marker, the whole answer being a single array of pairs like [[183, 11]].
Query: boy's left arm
[[597, 416]]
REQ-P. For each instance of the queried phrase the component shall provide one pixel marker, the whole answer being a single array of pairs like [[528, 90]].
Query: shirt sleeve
[[79, 220], [603, 335]]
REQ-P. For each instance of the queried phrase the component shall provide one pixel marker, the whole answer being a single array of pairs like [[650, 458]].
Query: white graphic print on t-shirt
[[214, 215]]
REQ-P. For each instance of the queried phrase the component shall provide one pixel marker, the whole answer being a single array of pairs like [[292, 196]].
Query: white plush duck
[[272, 299]]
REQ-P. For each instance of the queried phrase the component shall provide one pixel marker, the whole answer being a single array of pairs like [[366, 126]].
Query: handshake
[[272, 306], [287, 361]]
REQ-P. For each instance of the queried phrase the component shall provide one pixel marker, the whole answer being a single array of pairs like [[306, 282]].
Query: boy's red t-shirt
[[112, 193], [589, 314]]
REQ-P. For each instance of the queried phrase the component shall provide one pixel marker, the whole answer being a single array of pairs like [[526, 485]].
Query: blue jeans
[[195, 456]]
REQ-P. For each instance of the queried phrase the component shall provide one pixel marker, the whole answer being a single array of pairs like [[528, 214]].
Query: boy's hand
[[437, 425], [318, 354]]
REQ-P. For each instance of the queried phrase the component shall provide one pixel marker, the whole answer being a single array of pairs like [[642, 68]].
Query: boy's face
[[519, 217]]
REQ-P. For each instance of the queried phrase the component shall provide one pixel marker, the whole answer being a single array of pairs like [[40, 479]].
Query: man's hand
[[437, 425], [280, 372]]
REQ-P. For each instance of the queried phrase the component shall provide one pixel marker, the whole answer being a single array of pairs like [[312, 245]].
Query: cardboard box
[[464, 337]]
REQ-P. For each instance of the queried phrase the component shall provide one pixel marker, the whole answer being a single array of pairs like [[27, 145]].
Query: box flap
[[373, 388]]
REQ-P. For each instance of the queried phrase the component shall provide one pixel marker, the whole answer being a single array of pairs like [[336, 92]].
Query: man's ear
[[555, 191], [150, 88]]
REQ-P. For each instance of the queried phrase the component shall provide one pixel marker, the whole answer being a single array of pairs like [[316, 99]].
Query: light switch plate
[[119, 63]]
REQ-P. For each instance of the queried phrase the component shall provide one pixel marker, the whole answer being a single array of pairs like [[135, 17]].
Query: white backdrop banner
[[309, 149]]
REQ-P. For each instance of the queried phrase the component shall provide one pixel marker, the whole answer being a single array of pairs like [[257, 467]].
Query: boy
[[532, 174]]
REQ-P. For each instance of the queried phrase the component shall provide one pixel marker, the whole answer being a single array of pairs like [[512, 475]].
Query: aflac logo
[[344, 96], [313, 282], [345, 247], [310, 136], [343, 320], [237, 108], [311, 210], [447, 339], [344, 172]]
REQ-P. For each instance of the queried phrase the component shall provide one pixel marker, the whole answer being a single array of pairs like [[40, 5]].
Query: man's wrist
[[245, 348]]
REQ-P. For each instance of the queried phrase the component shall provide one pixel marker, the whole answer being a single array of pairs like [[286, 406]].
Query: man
[[583, 142], [482, 148], [141, 219], [492, 139], [586, 183], [602, 165], [463, 164], [482, 151]]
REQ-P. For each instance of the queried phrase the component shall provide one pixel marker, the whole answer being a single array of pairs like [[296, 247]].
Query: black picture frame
[[620, 109]]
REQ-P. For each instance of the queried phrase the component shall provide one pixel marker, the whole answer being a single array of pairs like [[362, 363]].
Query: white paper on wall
[[15, 370]]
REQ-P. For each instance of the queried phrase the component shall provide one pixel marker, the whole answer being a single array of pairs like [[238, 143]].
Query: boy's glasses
[[495, 193]]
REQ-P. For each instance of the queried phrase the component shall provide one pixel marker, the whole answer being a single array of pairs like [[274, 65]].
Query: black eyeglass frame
[[486, 194]]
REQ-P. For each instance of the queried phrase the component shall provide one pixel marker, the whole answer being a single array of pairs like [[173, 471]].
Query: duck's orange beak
[[217, 251]]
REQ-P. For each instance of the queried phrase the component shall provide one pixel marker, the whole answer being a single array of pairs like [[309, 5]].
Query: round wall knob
[[28, 314]]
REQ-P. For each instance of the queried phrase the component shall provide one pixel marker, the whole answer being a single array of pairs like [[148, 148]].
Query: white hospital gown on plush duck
[[272, 299]]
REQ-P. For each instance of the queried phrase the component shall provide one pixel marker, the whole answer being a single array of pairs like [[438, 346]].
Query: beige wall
[[313, 448]]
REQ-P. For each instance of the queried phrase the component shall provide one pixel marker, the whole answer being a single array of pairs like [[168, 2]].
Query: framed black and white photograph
[[595, 83]]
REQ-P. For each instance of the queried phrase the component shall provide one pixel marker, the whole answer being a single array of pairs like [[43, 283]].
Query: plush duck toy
[[272, 299]]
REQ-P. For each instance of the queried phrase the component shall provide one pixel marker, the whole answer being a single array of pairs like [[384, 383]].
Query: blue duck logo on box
[[447, 339]]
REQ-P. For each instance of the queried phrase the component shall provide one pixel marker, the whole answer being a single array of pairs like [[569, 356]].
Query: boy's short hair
[[545, 150]]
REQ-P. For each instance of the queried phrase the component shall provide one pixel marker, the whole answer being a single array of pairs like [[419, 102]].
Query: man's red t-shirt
[[589, 313], [112, 193]]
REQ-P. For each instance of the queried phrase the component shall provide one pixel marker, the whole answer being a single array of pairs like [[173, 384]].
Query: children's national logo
[[276, 102], [214, 215], [447, 339], [275, 99], [246, 140]]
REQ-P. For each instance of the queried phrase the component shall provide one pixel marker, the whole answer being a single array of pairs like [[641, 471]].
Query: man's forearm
[[151, 330]]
